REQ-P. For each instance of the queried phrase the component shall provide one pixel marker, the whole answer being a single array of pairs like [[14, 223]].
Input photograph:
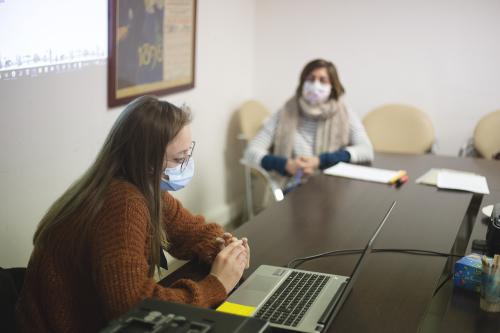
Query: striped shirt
[[359, 147]]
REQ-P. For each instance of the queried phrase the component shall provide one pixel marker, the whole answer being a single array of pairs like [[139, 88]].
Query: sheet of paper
[[361, 172], [487, 210], [430, 177], [462, 181]]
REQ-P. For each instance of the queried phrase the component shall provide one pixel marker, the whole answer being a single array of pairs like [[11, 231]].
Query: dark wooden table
[[462, 312], [394, 291]]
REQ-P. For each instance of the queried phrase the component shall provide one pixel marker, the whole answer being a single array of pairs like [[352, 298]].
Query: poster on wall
[[151, 48]]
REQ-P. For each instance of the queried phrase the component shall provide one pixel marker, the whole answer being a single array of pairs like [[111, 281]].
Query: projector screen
[[51, 36]]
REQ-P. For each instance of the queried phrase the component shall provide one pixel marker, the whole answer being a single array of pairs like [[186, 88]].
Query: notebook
[[296, 300]]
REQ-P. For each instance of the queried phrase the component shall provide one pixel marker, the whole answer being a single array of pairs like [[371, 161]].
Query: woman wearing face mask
[[98, 246], [314, 129]]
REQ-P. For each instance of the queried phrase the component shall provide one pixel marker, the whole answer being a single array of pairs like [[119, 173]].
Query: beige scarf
[[333, 126]]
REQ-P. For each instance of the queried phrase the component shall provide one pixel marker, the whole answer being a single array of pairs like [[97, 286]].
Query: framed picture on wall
[[151, 48]]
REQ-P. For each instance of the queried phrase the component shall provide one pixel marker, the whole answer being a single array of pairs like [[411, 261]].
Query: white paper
[[487, 210], [430, 177], [361, 172], [462, 181]]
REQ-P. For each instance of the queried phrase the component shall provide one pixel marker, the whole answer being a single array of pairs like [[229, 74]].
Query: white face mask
[[316, 92]]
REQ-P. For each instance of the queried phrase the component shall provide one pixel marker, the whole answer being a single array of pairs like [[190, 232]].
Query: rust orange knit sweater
[[57, 297]]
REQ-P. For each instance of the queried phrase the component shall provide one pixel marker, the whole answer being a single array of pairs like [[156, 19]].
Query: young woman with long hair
[[98, 246]]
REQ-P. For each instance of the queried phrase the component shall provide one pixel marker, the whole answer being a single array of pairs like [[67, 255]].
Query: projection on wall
[[51, 36]]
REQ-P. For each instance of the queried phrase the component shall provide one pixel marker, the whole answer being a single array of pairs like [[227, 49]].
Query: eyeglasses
[[189, 154], [185, 160]]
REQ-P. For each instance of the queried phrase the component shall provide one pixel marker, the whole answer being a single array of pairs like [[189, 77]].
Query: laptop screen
[[357, 268]]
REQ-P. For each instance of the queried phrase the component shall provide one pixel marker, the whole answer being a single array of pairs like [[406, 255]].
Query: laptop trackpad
[[254, 292], [263, 283]]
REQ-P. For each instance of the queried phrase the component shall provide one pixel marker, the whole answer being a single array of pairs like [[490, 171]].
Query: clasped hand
[[308, 165], [231, 261]]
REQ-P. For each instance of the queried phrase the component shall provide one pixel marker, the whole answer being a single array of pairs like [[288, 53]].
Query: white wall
[[52, 127], [441, 56]]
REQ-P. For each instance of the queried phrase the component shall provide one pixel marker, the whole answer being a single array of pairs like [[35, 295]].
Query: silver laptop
[[298, 300]]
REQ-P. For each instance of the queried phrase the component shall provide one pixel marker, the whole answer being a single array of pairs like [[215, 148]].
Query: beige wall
[[441, 56], [53, 126]]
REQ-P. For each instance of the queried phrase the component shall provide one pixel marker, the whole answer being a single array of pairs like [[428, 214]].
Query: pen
[[294, 182], [298, 176], [484, 261]]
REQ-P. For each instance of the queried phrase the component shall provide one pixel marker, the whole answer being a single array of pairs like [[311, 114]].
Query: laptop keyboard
[[288, 304]]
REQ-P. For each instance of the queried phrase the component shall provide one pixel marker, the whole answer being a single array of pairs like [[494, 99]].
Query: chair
[[398, 128], [251, 116], [487, 135], [11, 280]]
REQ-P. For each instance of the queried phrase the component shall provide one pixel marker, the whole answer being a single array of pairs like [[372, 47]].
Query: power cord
[[294, 263], [419, 252], [448, 277], [302, 260]]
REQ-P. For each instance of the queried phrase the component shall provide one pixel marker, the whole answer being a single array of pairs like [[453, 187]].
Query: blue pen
[[293, 183], [298, 177]]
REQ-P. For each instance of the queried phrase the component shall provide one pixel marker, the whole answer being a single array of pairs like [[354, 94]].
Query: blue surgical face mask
[[177, 179]]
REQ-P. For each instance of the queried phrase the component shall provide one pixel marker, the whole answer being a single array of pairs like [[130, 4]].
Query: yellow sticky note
[[237, 309]]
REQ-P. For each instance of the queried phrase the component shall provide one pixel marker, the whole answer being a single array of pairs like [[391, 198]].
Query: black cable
[[419, 252], [294, 263], [448, 277], [321, 255]]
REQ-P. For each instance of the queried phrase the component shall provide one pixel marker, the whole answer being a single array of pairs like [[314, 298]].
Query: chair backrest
[[11, 280], [251, 116], [487, 135], [399, 128]]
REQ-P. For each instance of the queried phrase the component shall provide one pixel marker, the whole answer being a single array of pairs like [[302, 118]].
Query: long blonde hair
[[134, 151]]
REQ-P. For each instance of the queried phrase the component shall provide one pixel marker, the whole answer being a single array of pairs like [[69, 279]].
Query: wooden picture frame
[[151, 48]]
